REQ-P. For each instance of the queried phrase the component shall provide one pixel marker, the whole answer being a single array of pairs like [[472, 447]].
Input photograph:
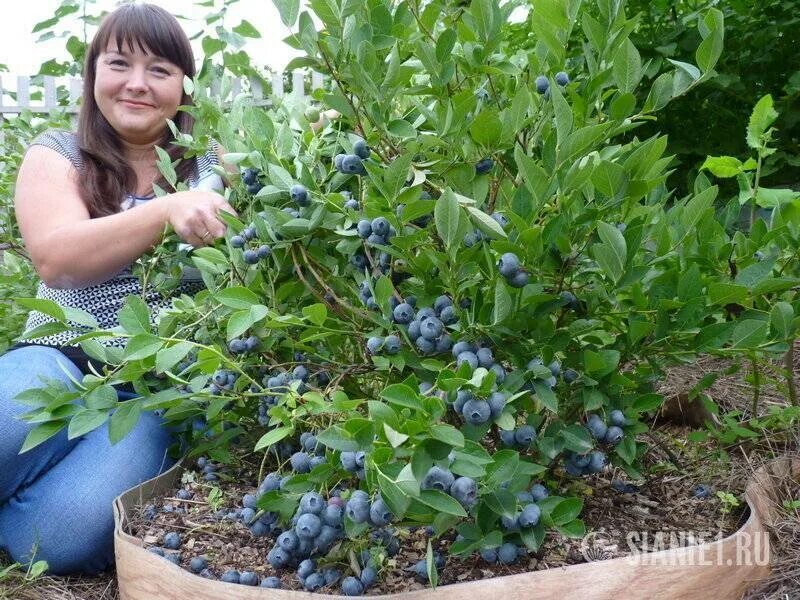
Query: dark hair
[[107, 174]]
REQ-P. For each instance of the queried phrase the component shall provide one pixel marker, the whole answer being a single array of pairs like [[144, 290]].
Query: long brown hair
[[107, 175]]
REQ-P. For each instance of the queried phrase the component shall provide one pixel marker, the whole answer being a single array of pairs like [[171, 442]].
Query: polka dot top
[[104, 301]]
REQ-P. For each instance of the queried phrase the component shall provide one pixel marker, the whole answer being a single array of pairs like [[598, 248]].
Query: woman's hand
[[194, 216]]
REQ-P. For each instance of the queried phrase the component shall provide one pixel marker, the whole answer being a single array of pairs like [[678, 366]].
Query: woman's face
[[137, 92]]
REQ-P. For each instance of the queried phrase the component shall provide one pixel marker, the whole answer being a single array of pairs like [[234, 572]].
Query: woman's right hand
[[193, 215]]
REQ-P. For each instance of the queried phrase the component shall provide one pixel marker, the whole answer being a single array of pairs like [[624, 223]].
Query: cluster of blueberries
[[426, 326], [530, 513], [510, 268], [251, 182], [349, 201], [352, 164], [376, 231], [463, 489], [278, 384], [251, 256], [542, 83], [596, 460], [476, 411]]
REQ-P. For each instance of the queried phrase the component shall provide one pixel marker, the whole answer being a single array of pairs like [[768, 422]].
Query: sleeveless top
[[104, 300]]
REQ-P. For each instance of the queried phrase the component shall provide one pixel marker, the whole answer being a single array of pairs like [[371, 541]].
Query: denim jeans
[[56, 499]]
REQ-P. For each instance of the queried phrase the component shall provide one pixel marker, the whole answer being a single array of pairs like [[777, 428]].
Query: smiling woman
[[86, 211]]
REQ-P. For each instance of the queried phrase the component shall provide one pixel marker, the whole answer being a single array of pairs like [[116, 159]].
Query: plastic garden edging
[[708, 570]]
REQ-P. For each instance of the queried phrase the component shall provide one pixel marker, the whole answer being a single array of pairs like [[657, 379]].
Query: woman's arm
[[71, 250]]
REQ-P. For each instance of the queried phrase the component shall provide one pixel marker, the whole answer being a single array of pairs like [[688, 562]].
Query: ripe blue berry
[[374, 344], [197, 564], [597, 427], [431, 328], [437, 479], [449, 315], [465, 490], [425, 345], [597, 461], [476, 411], [539, 492], [562, 78], [172, 541], [357, 510], [364, 228], [460, 347], [248, 578], [308, 526], [249, 176], [507, 554], [542, 84], [403, 313], [311, 502], [369, 576], [391, 344], [485, 358], [300, 462], [314, 581], [484, 166], [489, 555], [529, 516], [352, 165], [569, 376], [525, 435], [299, 194], [508, 264], [271, 582], [288, 541], [379, 513], [614, 435], [380, 226], [263, 251], [250, 257], [361, 149], [467, 357], [617, 417], [352, 587], [238, 241], [701, 490], [278, 557], [519, 279], [230, 576]]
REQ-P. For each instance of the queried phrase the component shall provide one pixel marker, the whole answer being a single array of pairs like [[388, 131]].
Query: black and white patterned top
[[104, 301]]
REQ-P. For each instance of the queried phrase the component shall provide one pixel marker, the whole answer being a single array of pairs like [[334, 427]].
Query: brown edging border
[[722, 570]]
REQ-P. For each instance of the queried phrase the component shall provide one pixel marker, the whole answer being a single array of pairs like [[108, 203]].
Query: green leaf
[[168, 357], [627, 67], [101, 398], [573, 529], [749, 333], [442, 502], [726, 293], [780, 319], [401, 395], [448, 434], [401, 128], [723, 166], [486, 128], [612, 254], [546, 396], [288, 10], [446, 214], [42, 433], [141, 346], [84, 421], [395, 438], [44, 306], [502, 302], [710, 49], [566, 510], [242, 320], [486, 223], [600, 364], [246, 29], [316, 313], [134, 316], [430, 561], [762, 117], [123, 420], [237, 297], [272, 437], [577, 438]]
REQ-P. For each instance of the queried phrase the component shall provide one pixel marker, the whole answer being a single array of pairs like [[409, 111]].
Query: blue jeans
[[56, 499]]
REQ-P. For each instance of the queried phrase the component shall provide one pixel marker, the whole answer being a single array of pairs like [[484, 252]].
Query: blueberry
[[508, 438], [251, 343], [352, 204], [529, 516], [441, 302], [172, 540], [542, 84], [332, 515], [485, 358], [413, 330], [361, 149], [263, 251], [271, 582], [379, 513], [314, 581], [525, 435], [437, 479], [237, 346], [288, 541], [524, 497], [539, 492], [597, 427], [300, 462], [507, 554], [361, 458], [238, 241], [352, 165], [173, 557], [499, 373], [519, 279], [380, 226], [352, 587], [597, 461], [230, 576], [364, 228], [467, 357], [420, 569], [425, 345], [374, 344], [562, 78], [465, 490], [357, 510], [271, 482], [617, 417], [497, 402], [426, 313], [156, 550], [484, 166], [248, 578], [308, 526], [369, 576], [311, 502], [337, 161], [431, 328], [500, 219], [569, 300], [508, 264], [247, 515], [444, 343], [249, 232], [254, 188], [250, 257], [471, 238], [462, 396], [449, 315], [300, 373], [614, 435], [460, 347], [359, 261], [569, 375], [403, 313], [391, 344], [701, 490], [476, 411], [348, 460], [197, 564], [331, 575], [249, 176], [306, 568], [299, 194], [183, 494], [489, 554]]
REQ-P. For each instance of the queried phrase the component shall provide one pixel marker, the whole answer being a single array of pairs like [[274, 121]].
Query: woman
[[86, 210]]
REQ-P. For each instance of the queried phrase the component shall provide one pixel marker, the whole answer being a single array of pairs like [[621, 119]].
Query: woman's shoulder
[[62, 141]]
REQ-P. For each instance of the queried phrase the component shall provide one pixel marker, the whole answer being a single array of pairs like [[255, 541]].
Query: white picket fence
[[232, 86]]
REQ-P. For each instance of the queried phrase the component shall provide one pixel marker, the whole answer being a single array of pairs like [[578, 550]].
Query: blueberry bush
[[447, 303]]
